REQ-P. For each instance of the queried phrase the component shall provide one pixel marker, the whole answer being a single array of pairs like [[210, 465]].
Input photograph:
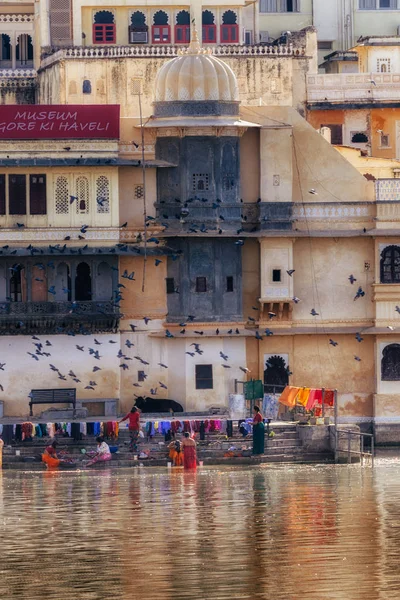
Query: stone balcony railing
[[168, 51], [19, 318], [387, 190], [353, 87]]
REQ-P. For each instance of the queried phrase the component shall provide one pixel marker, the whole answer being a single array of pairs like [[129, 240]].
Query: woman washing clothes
[[189, 452], [50, 458], [258, 432], [175, 453], [103, 453]]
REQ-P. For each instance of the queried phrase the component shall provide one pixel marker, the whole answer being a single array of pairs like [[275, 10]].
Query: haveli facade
[[239, 192]]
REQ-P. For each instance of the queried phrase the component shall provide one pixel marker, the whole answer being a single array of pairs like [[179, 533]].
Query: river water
[[271, 532]]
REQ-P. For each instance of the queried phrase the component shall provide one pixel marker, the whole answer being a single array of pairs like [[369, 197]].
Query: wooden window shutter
[[17, 194], [37, 194]]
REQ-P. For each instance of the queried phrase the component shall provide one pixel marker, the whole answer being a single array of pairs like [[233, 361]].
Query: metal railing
[[361, 452]]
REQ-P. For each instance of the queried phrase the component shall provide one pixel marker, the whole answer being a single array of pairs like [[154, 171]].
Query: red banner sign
[[66, 121]]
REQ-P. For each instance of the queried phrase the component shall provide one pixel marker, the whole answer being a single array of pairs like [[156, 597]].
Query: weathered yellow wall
[[153, 301], [380, 168], [275, 23], [316, 164], [131, 208], [21, 376], [315, 363], [271, 80], [323, 266]]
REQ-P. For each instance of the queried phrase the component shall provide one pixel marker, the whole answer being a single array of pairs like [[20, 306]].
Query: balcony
[[27, 318], [360, 88], [166, 50]]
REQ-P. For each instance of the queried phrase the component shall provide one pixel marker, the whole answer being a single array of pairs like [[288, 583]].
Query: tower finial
[[194, 46]]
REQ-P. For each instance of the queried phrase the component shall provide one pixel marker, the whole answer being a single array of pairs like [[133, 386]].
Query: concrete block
[[63, 414]]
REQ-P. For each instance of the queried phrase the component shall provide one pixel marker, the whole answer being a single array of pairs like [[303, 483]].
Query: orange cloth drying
[[288, 396], [314, 398], [302, 397]]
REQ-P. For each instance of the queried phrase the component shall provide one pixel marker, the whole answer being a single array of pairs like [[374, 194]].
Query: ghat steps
[[283, 447]]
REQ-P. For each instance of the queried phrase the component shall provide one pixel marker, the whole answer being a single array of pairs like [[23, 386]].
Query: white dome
[[196, 75]]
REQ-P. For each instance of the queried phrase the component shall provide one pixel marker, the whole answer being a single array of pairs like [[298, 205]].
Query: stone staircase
[[284, 446]]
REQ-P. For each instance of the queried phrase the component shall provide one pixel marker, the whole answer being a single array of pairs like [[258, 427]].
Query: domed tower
[[198, 130], [196, 116]]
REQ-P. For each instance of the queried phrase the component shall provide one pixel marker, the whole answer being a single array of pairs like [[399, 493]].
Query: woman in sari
[[189, 452], [258, 432], [175, 453], [103, 453], [50, 458]]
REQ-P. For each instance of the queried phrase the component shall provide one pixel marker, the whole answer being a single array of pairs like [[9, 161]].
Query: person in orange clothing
[[50, 458], [175, 453], [134, 427]]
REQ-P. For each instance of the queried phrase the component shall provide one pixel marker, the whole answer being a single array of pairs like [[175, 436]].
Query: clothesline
[[310, 398]]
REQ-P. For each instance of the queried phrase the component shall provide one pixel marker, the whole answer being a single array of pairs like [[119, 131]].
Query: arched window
[[17, 283], [359, 138], [63, 283], [390, 366], [182, 27], [276, 376], [104, 282], [161, 30], [82, 195], [209, 27], [5, 50], [138, 19], [104, 27], [24, 49], [229, 28], [390, 265], [61, 195], [86, 86], [83, 283], [103, 194], [72, 88]]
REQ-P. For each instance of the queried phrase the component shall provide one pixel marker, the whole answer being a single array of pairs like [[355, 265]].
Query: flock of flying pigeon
[[40, 348]]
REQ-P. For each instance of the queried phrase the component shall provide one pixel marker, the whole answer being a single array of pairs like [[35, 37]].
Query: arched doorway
[[390, 365], [276, 373], [182, 27], [104, 28], [17, 283], [104, 282], [5, 51], [209, 27], [161, 30], [229, 28], [83, 283], [24, 50]]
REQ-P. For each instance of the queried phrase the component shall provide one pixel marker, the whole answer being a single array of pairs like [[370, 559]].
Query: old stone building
[[228, 248]]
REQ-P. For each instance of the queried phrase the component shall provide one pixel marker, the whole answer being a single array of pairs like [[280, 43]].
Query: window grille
[[61, 195], [82, 194], [200, 182], [103, 194]]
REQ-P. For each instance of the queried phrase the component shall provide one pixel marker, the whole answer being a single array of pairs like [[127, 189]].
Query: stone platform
[[289, 443]]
